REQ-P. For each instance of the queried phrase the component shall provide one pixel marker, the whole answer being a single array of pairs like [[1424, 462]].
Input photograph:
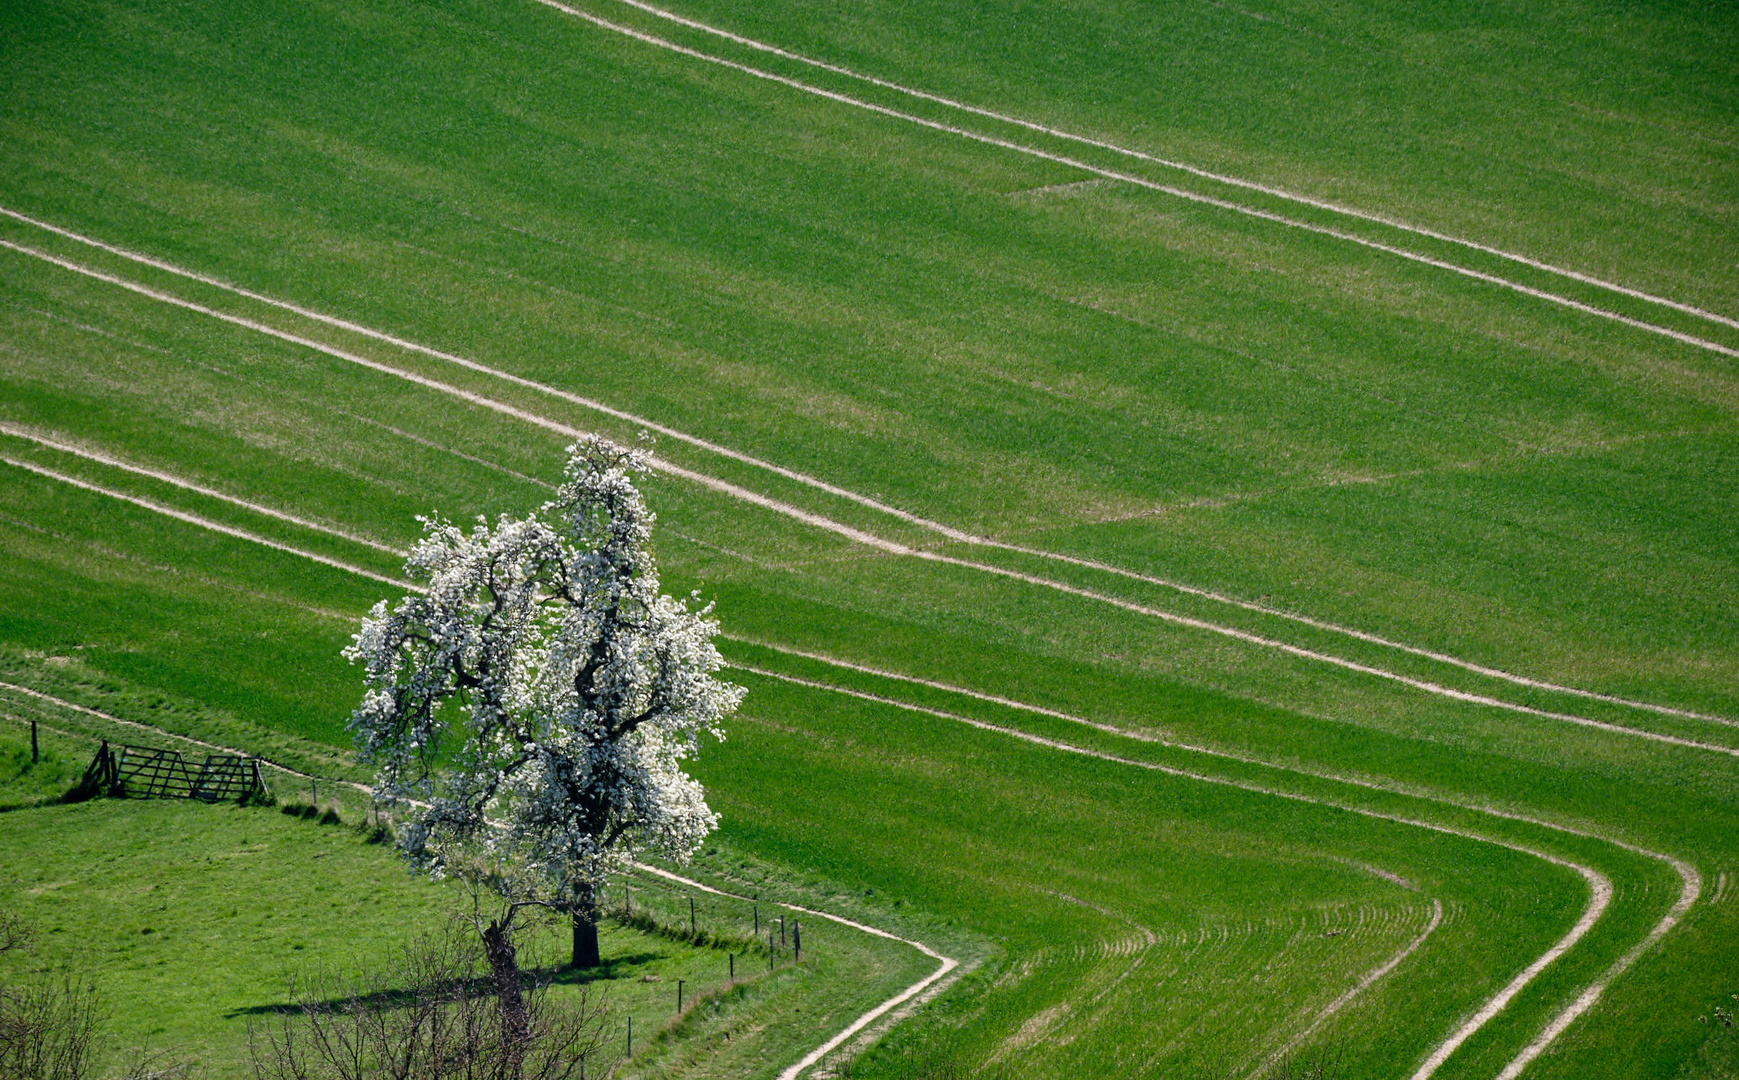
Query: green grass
[[1507, 125], [1099, 371], [30, 779], [195, 920]]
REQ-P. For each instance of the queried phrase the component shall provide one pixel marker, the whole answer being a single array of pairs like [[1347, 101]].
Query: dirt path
[[944, 966]]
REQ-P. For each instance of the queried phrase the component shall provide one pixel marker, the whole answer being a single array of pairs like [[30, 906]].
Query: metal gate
[[142, 772]]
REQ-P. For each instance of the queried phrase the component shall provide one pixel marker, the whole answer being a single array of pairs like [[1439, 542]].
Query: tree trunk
[[586, 938], [504, 966]]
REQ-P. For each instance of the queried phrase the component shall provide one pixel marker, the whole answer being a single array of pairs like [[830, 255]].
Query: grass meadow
[[1102, 736]]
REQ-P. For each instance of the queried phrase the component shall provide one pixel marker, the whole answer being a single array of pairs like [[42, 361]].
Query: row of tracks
[[1599, 888]]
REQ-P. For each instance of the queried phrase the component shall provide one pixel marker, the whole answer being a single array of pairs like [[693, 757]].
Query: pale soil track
[[868, 539], [944, 966], [1600, 889]]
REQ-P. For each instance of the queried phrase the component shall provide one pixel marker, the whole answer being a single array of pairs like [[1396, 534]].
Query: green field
[[1043, 442]]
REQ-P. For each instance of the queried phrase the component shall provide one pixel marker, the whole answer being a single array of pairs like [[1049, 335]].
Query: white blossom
[[539, 699]]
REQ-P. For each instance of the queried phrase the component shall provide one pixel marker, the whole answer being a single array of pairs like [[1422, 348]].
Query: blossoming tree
[[536, 703]]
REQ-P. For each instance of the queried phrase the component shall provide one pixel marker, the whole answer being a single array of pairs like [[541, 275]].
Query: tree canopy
[[536, 701]]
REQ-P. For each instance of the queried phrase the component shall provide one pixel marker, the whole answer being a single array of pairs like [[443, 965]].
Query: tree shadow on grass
[[614, 968]]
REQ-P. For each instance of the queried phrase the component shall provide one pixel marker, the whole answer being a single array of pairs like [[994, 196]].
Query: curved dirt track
[[1690, 879], [858, 535], [945, 965], [1599, 886]]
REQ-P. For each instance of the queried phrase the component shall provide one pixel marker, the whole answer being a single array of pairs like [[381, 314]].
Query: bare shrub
[[1324, 1064], [15, 933], [51, 1029], [434, 1015], [48, 1029]]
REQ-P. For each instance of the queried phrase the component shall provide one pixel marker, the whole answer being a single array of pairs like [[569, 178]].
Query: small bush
[[433, 1016], [52, 1029], [48, 1029], [1322, 1065], [702, 937]]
